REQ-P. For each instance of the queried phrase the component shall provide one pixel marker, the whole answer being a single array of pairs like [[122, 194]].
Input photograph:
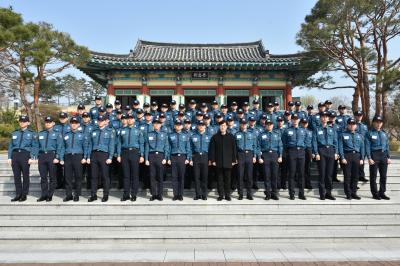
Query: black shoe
[[249, 197], [284, 186], [196, 198], [228, 198], [267, 197], [355, 196], [92, 198], [220, 198], [42, 198], [330, 197], [22, 198], [348, 197], [308, 187], [363, 179], [68, 198], [302, 197], [49, 198], [76, 198], [160, 198], [104, 199], [180, 198], [322, 197], [240, 197], [175, 198], [204, 197], [274, 197], [152, 198], [336, 180], [291, 197], [125, 198], [384, 197], [255, 187], [376, 197], [15, 198], [133, 198]]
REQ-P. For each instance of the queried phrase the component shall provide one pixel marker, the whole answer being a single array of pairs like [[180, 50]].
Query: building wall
[[181, 85]]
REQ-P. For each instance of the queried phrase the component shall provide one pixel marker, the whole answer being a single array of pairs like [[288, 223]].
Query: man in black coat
[[222, 154]]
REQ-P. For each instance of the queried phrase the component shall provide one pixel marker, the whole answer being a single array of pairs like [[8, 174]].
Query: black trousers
[[73, 173], [144, 175], [296, 162], [60, 176], [116, 173], [100, 170], [156, 171], [224, 181], [178, 168], [325, 169], [47, 171], [271, 167], [307, 167], [130, 170], [200, 172], [283, 171], [87, 173], [20, 166], [380, 164], [361, 172], [351, 171], [245, 172], [257, 172]]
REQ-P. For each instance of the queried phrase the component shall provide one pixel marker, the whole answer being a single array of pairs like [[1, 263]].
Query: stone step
[[190, 236]]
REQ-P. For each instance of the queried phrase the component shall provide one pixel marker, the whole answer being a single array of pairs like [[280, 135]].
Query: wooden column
[[288, 94]]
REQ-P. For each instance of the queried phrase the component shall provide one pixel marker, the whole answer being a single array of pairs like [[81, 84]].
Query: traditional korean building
[[164, 71]]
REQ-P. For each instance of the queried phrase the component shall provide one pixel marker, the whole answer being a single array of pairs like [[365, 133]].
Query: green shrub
[[4, 143], [394, 145], [6, 130]]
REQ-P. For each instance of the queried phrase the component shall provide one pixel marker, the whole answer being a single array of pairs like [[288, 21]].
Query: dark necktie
[[73, 137], [47, 140], [98, 139], [22, 137], [129, 137]]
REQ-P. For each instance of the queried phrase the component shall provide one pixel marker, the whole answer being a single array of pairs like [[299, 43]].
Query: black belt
[[200, 153], [155, 152], [20, 150], [46, 152], [296, 148], [347, 152], [270, 151], [178, 154], [130, 149], [325, 146], [74, 153], [246, 151], [100, 151]]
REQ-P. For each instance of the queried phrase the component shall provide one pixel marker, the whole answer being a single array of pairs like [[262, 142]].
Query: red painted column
[[255, 91], [179, 90], [110, 90], [145, 90], [288, 94]]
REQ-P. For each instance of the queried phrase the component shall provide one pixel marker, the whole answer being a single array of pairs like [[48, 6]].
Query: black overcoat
[[222, 150]]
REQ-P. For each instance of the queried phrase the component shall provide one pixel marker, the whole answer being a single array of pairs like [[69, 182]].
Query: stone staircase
[[198, 223]]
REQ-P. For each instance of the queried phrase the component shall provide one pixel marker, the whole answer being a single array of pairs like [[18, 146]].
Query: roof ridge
[[143, 42]]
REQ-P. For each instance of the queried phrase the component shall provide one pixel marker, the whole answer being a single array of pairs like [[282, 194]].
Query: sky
[[115, 26]]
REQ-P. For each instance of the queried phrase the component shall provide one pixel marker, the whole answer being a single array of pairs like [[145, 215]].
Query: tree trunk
[[356, 96], [378, 99], [36, 88], [22, 91]]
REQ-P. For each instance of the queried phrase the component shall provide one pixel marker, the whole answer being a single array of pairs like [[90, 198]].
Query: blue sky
[[115, 26]]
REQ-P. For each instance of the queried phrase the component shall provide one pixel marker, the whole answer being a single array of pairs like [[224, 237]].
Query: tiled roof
[[159, 55]]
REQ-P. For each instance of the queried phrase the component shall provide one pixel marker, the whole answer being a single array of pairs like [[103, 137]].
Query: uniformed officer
[[308, 154], [22, 151], [62, 127], [179, 156], [200, 142], [94, 111], [87, 128], [74, 155], [377, 150], [325, 150], [270, 113], [255, 111], [270, 150], [130, 152], [50, 148], [351, 151], [101, 150], [246, 143], [342, 118], [294, 140], [156, 152], [298, 110], [80, 110], [363, 130]]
